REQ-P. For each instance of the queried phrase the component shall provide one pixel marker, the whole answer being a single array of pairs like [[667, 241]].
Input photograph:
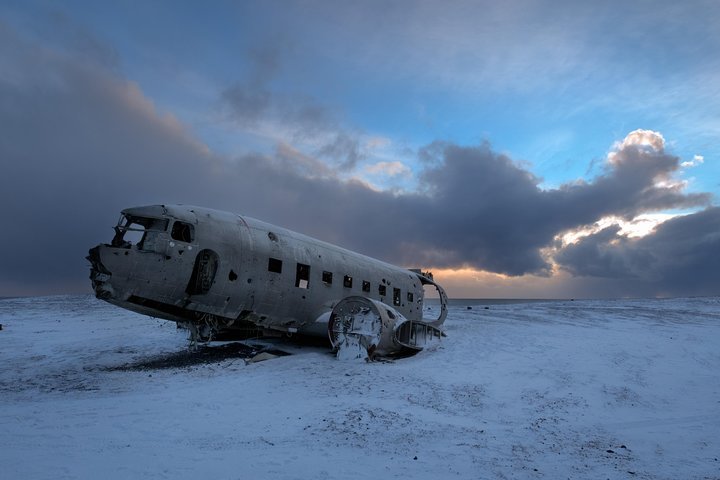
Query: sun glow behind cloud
[[638, 227], [645, 139], [471, 283]]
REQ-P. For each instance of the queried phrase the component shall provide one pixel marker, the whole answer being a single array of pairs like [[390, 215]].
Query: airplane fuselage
[[223, 271]]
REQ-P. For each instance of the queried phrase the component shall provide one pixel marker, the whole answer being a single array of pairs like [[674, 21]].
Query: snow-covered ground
[[584, 389]]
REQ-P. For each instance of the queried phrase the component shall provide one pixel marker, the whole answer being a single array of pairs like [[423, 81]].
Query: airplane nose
[[99, 274], [94, 258]]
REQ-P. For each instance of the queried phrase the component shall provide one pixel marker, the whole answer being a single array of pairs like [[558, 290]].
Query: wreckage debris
[[362, 328]]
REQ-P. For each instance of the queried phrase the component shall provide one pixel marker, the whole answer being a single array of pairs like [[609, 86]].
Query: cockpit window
[[182, 232], [141, 231]]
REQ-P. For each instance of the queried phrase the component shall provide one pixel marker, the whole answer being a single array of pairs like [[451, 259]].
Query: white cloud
[[647, 140], [697, 160], [637, 227], [391, 169]]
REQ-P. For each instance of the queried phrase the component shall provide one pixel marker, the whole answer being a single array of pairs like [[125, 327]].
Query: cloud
[[697, 160], [344, 146], [391, 169], [252, 105], [75, 141], [281, 117], [289, 159], [79, 143], [638, 226], [638, 178], [680, 258], [488, 212], [249, 105], [643, 140]]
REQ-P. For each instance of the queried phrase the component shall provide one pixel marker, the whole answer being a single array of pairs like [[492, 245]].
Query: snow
[[584, 389]]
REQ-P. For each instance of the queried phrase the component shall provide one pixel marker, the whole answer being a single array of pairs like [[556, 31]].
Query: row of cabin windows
[[302, 280]]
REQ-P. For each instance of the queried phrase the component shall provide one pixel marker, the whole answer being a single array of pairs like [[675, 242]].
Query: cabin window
[[366, 286], [327, 278], [382, 290], [347, 281], [396, 296], [274, 265], [302, 276], [182, 232], [152, 236], [410, 297], [141, 231]]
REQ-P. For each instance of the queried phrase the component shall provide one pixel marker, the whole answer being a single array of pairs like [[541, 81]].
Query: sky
[[520, 149]]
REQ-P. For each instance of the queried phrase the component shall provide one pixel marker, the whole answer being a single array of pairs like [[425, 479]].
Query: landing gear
[[202, 330]]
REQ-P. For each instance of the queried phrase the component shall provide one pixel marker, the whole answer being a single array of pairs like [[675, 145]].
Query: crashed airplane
[[215, 272]]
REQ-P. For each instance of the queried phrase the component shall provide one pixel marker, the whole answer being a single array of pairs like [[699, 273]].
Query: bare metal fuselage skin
[[216, 271]]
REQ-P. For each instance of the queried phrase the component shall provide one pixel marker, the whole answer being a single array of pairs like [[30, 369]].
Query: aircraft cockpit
[[146, 233], [141, 231]]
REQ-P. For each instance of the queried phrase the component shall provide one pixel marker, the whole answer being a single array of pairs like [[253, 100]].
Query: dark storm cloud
[[637, 179], [78, 144], [73, 142], [487, 212], [681, 257], [482, 209]]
